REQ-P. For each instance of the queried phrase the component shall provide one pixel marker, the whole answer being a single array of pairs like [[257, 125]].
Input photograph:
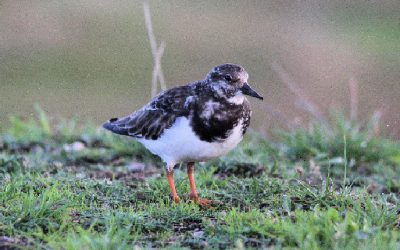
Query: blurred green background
[[92, 60]]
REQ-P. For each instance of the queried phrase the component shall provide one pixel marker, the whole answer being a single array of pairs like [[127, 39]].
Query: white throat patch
[[237, 99]]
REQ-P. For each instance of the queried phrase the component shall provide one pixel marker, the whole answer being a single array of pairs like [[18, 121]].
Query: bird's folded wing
[[151, 121]]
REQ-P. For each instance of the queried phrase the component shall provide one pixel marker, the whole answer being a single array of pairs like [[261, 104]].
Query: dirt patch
[[126, 176], [10, 243], [240, 169]]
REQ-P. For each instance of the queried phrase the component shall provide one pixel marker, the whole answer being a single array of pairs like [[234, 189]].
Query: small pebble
[[73, 147], [198, 234], [136, 167]]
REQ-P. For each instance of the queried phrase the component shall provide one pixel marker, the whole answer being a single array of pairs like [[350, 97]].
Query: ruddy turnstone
[[194, 122]]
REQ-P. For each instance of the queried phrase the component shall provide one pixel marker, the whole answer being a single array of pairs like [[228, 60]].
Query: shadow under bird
[[194, 122]]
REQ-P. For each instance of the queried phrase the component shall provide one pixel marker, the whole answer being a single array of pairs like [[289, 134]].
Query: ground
[[70, 186]]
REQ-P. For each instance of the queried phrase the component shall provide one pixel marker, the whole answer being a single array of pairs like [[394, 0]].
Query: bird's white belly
[[180, 144]]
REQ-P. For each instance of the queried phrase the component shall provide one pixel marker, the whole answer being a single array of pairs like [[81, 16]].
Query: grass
[[67, 186]]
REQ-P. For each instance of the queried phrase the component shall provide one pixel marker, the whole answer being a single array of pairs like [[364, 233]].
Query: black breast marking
[[246, 115], [213, 119]]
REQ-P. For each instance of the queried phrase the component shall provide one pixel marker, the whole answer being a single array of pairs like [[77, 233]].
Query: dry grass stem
[[353, 86], [302, 100], [156, 51]]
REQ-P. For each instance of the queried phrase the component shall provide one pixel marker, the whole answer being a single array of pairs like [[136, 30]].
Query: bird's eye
[[228, 78]]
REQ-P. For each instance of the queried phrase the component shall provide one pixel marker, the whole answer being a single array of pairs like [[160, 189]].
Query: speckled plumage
[[215, 108]]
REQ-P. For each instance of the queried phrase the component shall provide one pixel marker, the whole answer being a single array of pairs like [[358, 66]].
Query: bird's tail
[[116, 126]]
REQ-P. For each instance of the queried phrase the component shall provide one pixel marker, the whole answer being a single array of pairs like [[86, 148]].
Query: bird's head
[[230, 81]]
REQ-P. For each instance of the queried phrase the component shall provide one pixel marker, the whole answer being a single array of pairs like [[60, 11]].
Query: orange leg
[[190, 169], [193, 194], [170, 176]]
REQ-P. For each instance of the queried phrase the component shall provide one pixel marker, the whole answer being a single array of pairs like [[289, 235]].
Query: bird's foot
[[208, 203], [176, 199], [204, 202]]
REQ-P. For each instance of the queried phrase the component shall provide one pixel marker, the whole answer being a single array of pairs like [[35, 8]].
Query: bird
[[196, 122]]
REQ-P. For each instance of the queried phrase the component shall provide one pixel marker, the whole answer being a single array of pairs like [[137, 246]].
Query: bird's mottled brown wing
[[151, 121]]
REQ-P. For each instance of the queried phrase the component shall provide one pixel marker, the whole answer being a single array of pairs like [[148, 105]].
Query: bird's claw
[[204, 202], [175, 199]]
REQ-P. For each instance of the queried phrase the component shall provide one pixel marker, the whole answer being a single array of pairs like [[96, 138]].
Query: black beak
[[247, 90]]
